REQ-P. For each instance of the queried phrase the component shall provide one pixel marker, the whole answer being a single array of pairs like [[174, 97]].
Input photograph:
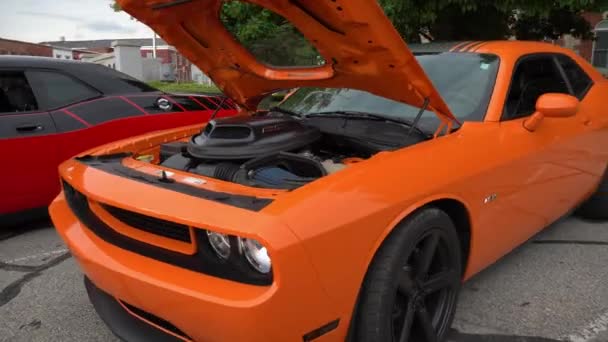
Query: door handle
[[29, 128]]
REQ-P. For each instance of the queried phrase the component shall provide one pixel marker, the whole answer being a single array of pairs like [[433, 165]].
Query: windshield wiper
[[284, 111], [348, 114]]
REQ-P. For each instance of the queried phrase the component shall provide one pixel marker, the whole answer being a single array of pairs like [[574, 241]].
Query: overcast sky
[[48, 20]]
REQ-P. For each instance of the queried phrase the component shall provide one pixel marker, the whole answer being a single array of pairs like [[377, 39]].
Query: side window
[[580, 81], [15, 93], [56, 90], [533, 77]]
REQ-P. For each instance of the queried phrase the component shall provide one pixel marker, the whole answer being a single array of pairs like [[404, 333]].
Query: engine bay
[[278, 151]]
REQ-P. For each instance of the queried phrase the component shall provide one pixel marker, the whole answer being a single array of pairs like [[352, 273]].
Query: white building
[[62, 53]]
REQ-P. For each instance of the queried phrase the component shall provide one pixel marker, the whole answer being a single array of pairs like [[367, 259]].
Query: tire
[[397, 290], [596, 207]]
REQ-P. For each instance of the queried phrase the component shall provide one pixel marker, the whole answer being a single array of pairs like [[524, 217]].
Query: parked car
[[51, 109], [354, 209]]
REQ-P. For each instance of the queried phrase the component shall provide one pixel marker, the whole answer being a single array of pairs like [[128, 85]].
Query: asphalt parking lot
[[554, 288]]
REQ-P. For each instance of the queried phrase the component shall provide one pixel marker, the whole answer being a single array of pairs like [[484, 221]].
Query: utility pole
[[154, 46]]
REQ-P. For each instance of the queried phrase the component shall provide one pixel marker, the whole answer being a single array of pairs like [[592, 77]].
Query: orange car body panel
[[322, 236]]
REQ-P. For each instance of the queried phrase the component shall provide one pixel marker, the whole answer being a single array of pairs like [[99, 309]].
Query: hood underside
[[361, 48]]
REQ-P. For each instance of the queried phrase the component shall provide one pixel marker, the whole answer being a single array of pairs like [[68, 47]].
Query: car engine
[[278, 151]]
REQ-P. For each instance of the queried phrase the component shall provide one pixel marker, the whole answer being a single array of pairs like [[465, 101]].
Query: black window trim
[[564, 75], [591, 81], [553, 56], [69, 75], [29, 112]]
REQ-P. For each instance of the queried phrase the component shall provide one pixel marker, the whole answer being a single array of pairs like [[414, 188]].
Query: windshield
[[465, 81]]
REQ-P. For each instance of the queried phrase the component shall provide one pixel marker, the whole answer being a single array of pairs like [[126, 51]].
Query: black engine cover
[[246, 137]]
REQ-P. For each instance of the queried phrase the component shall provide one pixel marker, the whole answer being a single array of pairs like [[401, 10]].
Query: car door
[[60, 93], [549, 171], [27, 142]]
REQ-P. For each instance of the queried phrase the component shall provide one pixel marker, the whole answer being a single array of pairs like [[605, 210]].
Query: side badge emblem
[[490, 198], [164, 104]]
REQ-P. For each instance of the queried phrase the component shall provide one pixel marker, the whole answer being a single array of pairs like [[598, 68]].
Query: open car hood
[[361, 48]]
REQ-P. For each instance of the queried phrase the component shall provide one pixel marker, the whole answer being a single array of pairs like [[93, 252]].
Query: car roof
[[499, 47], [98, 76]]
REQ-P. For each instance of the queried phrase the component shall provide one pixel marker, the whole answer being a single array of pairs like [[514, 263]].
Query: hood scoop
[[240, 138]]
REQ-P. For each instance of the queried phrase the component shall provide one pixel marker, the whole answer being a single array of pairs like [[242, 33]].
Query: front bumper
[[126, 325], [202, 307]]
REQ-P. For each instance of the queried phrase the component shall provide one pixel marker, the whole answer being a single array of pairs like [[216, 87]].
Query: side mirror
[[552, 105], [555, 105]]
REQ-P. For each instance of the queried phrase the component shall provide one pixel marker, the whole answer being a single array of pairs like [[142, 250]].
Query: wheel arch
[[454, 206]]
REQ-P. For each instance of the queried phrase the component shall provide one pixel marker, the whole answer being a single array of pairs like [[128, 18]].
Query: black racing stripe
[[449, 46], [459, 46], [187, 102], [112, 164], [474, 46], [464, 47], [206, 102], [225, 104]]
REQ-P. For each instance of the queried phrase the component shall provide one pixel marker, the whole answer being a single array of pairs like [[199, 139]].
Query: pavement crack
[[14, 288], [571, 242], [457, 336], [33, 325], [17, 268]]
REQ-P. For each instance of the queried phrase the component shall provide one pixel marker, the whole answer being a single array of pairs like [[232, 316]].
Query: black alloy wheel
[[411, 289]]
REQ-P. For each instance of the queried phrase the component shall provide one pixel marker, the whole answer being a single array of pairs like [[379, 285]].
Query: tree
[[482, 19], [440, 20]]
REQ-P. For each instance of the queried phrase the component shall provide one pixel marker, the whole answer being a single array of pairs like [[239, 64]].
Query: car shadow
[[17, 224]]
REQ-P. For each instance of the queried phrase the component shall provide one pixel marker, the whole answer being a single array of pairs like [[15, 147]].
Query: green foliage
[[189, 87], [482, 19], [270, 37], [115, 6], [275, 41]]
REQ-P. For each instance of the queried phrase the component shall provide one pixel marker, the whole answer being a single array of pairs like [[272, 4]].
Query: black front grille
[[204, 260], [155, 320], [150, 224]]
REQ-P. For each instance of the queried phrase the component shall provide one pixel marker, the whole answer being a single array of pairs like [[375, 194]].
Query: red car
[[53, 109]]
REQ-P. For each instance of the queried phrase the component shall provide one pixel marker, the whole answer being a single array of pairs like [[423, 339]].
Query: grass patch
[[189, 87]]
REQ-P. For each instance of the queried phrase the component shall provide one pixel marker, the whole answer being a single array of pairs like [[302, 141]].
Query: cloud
[[72, 19], [99, 26], [50, 15], [108, 26]]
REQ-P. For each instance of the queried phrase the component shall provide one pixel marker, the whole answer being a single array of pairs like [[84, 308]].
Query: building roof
[[102, 43], [21, 42]]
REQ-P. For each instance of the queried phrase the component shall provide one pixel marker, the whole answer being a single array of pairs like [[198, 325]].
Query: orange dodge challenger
[[355, 208]]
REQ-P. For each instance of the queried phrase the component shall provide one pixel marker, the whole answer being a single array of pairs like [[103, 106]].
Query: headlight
[[256, 255], [220, 244]]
